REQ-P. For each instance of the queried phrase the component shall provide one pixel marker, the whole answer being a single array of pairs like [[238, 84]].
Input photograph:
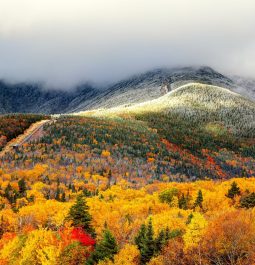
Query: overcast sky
[[65, 42]]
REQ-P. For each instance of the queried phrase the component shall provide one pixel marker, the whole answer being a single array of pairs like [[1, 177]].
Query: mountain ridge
[[25, 97], [198, 102]]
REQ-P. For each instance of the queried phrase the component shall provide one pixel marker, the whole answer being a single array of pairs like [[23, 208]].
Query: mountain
[[147, 86], [139, 88], [32, 98], [193, 121], [200, 104], [244, 86], [154, 84], [182, 161]]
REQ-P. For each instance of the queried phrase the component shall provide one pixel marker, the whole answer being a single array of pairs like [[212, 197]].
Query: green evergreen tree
[[22, 188], [188, 199], [105, 249], [57, 195], [160, 241], [182, 202], [248, 201], [10, 194], [199, 200], [86, 193], [150, 246], [148, 249], [233, 191], [80, 216], [140, 238], [73, 188], [189, 218]]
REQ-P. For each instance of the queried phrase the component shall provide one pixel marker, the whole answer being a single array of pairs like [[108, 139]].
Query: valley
[[127, 132], [165, 179]]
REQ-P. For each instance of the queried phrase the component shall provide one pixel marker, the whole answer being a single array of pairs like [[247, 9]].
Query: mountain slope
[[149, 85], [244, 86], [140, 88], [198, 103], [32, 98]]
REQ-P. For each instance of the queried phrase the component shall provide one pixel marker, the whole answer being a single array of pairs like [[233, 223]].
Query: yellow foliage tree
[[41, 248], [105, 153], [129, 255], [195, 230]]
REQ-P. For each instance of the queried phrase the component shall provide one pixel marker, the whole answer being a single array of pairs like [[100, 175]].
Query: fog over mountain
[[29, 97], [63, 43]]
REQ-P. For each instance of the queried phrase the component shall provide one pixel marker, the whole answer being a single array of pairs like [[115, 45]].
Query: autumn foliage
[[85, 239], [14, 124], [126, 192]]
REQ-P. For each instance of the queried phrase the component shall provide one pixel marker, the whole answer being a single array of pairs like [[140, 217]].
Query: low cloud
[[63, 43]]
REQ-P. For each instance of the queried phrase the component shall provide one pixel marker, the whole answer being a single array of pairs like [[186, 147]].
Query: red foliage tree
[[85, 239]]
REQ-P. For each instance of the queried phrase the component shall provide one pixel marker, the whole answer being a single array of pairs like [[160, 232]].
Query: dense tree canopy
[[119, 192]]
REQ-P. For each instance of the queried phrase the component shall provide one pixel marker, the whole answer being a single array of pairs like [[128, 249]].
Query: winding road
[[25, 137]]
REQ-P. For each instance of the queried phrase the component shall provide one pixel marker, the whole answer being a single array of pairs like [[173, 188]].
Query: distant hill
[[199, 104], [32, 98], [196, 131], [148, 85], [136, 89]]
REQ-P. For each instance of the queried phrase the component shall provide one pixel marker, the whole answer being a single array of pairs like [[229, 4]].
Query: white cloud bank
[[64, 42]]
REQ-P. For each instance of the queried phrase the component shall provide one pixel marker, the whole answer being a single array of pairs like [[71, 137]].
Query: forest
[[11, 125], [143, 190]]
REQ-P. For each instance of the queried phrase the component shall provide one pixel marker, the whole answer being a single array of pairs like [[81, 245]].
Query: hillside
[[200, 104], [244, 86], [148, 85], [13, 125], [122, 172], [157, 174], [192, 132], [34, 98]]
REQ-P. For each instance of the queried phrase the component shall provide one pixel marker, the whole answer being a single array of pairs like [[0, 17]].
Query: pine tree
[[73, 188], [182, 202], [10, 194], [105, 249], [86, 193], [160, 241], [80, 216], [233, 191], [199, 200], [7, 192], [150, 246], [188, 199], [57, 195], [140, 238], [22, 188], [248, 201], [148, 249]]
